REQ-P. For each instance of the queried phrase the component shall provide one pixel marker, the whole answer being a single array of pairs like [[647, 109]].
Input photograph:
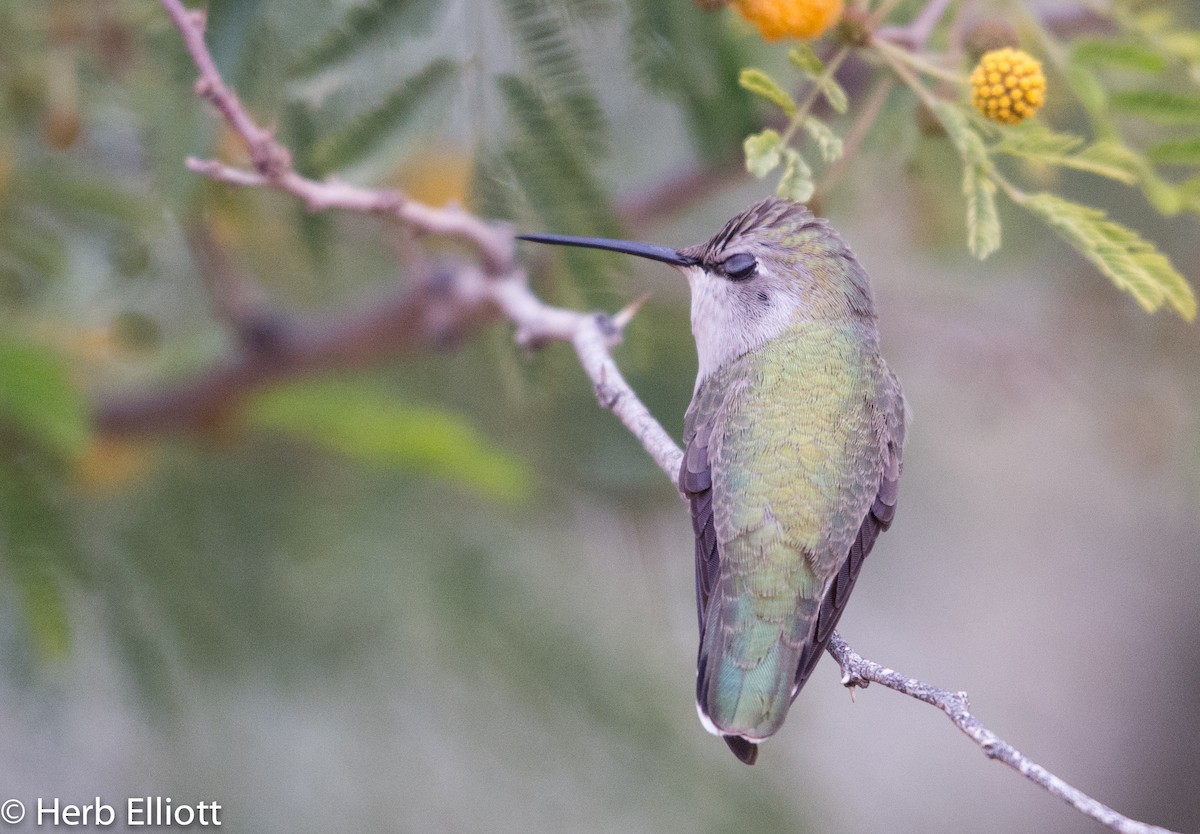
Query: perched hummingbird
[[793, 445]]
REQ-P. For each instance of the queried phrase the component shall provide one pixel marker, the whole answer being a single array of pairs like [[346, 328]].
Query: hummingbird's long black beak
[[642, 250]]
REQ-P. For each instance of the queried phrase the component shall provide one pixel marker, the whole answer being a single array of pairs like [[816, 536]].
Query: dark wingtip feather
[[744, 749]]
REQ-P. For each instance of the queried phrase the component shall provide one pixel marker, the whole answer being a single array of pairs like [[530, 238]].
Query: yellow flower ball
[[777, 19], [1007, 85]]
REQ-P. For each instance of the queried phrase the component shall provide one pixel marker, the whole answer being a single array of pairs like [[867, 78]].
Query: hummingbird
[[793, 446]]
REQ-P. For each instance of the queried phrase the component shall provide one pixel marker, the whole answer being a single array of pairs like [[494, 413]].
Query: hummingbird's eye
[[739, 267]]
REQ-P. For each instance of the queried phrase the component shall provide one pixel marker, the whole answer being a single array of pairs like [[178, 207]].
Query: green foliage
[[805, 59], [1115, 54], [797, 180], [813, 69], [828, 142], [364, 423], [403, 108], [1034, 142], [763, 152], [761, 84], [1157, 105], [1177, 152], [1149, 41], [1131, 262], [541, 30], [38, 399], [694, 59], [365, 24], [558, 182], [44, 426], [979, 186], [36, 543]]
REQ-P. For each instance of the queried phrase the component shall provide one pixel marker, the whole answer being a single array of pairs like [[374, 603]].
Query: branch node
[[609, 327], [852, 679], [269, 158]]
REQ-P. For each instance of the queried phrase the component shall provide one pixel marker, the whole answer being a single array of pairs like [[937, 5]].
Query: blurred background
[[449, 592]]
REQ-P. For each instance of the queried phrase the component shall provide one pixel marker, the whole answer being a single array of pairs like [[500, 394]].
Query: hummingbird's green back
[[792, 437], [793, 454]]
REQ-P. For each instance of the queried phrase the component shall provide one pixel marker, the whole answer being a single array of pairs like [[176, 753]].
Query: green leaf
[[1180, 152], [1106, 158], [365, 424], [763, 152], [983, 219], [400, 109], [1184, 44], [965, 138], [1132, 263], [38, 398], [761, 84], [1092, 94], [829, 143], [1109, 158], [805, 59], [37, 546], [366, 23], [543, 34], [553, 174], [694, 59], [45, 609], [1119, 55], [797, 180], [834, 93], [979, 187], [1158, 105]]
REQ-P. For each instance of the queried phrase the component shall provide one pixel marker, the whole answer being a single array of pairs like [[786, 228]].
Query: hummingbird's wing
[[695, 482], [878, 519]]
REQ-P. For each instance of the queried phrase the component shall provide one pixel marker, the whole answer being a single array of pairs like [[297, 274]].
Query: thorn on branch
[[623, 317], [607, 395]]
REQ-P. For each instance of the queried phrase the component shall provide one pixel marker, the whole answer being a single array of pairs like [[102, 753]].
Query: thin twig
[[916, 34], [858, 671], [866, 119], [418, 319]]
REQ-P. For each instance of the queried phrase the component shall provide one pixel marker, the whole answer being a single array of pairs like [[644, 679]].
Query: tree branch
[[446, 307], [858, 671]]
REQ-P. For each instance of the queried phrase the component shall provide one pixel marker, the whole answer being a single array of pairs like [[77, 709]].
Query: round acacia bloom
[[1008, 86], [777, 19]]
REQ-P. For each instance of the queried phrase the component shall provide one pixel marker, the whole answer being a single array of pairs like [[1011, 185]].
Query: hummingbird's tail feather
[[746, 667], [744, 749]]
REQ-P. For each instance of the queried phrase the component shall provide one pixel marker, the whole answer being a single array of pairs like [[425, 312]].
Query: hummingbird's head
[[771, 266]]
